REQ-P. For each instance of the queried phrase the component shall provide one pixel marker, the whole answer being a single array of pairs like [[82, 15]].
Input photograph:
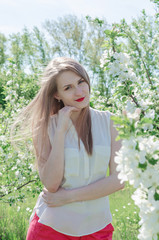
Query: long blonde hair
[[35, 116]]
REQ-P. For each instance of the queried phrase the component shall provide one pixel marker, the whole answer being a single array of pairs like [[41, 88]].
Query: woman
[[74, 145]]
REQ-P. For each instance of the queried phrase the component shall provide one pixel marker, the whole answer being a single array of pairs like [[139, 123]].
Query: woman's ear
[[56, 96]]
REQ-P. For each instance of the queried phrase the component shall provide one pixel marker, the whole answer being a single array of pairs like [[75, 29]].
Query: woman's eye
[[67, 88], [81, 81]]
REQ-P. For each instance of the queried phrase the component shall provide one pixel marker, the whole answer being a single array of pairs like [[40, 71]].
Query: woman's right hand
[[64, 115]]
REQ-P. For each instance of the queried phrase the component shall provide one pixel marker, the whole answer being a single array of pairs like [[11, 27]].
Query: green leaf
[[137, 146], [152, 161], [156, 196], [143, 166], [146, 120], [107, 32], [124, 98]]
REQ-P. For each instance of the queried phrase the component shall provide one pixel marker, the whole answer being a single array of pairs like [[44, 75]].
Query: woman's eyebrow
[[70, 83]]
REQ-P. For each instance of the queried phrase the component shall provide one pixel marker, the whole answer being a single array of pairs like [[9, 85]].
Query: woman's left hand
[[56, 199]]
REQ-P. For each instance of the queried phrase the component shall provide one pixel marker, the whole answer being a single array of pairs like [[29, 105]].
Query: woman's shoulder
[[95, 113], [52, 121], [53, 118]]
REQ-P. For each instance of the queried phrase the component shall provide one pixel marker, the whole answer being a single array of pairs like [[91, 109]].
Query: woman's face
[[72, 89]]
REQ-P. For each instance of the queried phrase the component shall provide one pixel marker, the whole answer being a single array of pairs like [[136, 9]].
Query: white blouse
[[84, 217]]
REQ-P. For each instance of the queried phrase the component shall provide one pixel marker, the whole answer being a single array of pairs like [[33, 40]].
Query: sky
[[15, 14]]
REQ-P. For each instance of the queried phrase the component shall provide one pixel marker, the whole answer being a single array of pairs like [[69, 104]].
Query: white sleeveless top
[[84, 217]]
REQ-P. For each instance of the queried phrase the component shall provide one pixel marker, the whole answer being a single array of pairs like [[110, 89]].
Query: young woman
[[74, 146]]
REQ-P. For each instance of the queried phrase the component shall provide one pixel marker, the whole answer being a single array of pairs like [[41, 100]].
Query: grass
[[14, 221], [125, 215]]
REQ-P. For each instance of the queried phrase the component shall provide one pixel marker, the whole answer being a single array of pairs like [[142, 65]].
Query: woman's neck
[[74, 117]]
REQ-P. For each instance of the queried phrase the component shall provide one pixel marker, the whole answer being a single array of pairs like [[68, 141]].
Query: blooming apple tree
[[131, 60], [130, 89], [17, 171]]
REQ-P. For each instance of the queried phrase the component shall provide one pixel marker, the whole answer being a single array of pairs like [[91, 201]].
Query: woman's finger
[[45, 190], [44, 195]]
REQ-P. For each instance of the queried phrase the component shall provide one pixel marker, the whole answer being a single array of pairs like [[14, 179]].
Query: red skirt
[[39, 231]]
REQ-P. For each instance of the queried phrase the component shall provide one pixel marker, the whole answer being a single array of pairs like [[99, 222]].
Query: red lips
[[80, 99]]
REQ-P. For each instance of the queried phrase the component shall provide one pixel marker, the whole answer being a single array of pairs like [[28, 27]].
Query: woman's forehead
[[67, 77]]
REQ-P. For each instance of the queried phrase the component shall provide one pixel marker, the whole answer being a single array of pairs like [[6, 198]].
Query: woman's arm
[[51, 161], [106, 185], [101, 188]]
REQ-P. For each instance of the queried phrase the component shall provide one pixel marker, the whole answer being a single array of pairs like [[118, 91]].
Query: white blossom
[[138, 158], [17, 173], [4, 189], [150, 114], [145, 180], [28, 209], [18, 208], [145, 103], [135, 115], [105, 57], [13, 168], [130, 107], [122, 57], [9, 97], [2, 138], [9, 82]]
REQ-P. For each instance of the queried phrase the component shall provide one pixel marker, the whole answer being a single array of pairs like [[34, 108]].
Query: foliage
[[17, 166], [27, 54], [125, 82], [125, 217], [131, 62]]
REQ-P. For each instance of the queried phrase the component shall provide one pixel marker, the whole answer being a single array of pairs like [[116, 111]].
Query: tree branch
[[139, 52], [18, 188]]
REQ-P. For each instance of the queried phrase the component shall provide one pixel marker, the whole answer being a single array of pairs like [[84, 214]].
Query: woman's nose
[[78, 91]]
